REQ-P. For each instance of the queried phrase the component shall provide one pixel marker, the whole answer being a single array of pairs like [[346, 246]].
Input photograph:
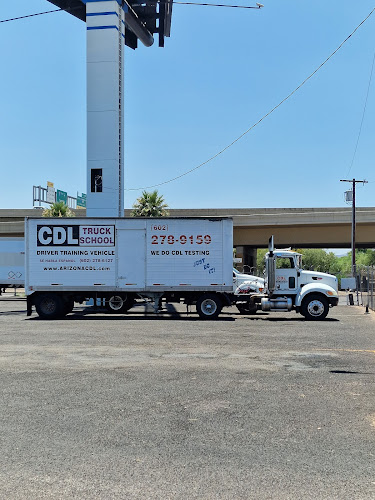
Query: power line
[[37, 14], [258, 6], [220, 5], [363, 114], [30, 15], [261, 119]]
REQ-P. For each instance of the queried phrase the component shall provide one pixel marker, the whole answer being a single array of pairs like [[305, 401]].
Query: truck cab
[[288, 286]]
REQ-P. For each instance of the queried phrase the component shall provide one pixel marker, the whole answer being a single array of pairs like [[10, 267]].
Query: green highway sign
[[81, 201], [62, 196]]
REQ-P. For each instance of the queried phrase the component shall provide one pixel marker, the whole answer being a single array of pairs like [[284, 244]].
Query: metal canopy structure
[[143, 18]]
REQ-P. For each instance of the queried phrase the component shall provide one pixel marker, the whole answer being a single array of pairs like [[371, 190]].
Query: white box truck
[[175, 259], [12, 262], [119, 260]]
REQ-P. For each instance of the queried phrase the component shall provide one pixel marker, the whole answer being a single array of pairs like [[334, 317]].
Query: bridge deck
[[296, 227]]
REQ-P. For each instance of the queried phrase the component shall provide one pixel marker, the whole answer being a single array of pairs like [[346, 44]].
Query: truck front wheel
[[49, 306], [209, 306], [314, 307]]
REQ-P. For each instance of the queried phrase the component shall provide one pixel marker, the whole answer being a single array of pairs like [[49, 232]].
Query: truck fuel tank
[[279, 304]]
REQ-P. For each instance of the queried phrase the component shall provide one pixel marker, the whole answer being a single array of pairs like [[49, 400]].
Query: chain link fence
[[365, 287]]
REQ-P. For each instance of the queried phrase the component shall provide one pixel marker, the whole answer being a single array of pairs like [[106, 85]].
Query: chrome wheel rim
[[209, 307], [315, 308]]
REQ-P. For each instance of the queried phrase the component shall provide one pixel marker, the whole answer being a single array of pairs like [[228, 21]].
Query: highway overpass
[[291, 227]]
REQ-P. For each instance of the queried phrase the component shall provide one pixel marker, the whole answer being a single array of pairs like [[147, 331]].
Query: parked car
[[239, 278], [248, 285]]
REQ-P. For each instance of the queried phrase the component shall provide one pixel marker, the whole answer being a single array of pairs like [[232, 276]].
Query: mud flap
[[29, 301]]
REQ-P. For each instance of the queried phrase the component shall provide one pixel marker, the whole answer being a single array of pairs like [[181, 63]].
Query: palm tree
[[58, 209], [150, 205]]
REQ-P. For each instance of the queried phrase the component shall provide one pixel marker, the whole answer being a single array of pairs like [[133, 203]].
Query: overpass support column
[[105, 110], [249, 257]]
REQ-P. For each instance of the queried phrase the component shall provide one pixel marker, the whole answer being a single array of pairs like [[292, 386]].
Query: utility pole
[[354, 182]]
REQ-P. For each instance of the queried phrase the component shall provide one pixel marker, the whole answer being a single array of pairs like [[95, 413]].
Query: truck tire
[[247, 309], [49, 306], [209, 306], [118, 304], [314, 307]]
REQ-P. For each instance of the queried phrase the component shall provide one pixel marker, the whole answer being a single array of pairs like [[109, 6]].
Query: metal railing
[[245, 269], [40, 196]]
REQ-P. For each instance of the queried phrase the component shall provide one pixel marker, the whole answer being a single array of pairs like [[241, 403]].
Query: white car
[[249, 286], [240, 278]]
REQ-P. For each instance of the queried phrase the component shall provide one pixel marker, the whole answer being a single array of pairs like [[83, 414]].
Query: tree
[[261, 252], [150, 205], [317, 259], [58, 209], [364, 257]]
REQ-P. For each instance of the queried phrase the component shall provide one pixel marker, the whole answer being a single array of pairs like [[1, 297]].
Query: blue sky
[[219, 73]]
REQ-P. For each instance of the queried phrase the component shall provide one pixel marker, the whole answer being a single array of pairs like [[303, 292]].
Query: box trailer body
[[12, 262], [181, 257]]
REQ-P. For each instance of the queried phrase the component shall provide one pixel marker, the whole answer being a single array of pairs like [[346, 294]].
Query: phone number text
[[161, 239]]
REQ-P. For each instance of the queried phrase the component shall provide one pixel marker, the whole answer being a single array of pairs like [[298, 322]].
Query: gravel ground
[[170, 407]]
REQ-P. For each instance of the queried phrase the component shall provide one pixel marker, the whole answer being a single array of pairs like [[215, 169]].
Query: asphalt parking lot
[[172, 407]]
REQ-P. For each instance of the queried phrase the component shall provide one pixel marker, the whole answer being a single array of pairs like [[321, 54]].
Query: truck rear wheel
[[209, 306], [314, 307], [49, 306], [119, 304]]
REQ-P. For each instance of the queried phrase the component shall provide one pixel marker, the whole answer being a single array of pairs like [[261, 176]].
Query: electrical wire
[[68, 9], [261, 119], [208, 4], [37, 14], [363, 114]]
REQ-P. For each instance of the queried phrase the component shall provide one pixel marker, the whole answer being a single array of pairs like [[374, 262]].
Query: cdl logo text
[[57, 236], [75, 235]]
